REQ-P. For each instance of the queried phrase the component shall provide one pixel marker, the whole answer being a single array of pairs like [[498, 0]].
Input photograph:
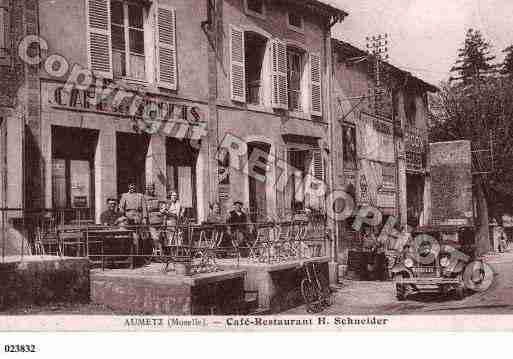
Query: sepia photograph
[[233, 165]]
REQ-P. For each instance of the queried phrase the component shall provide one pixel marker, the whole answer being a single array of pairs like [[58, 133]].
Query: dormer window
[[255, 7]]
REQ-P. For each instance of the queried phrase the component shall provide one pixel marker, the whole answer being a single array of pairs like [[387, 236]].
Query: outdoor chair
[[47, 239]]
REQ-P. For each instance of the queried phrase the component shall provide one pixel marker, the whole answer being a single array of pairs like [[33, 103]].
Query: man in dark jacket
[[110, 216], [238, 229]]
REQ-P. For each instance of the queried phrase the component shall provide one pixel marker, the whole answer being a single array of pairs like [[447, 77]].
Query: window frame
[[126, 33], [4, 34], [248, 11], [300, 29]]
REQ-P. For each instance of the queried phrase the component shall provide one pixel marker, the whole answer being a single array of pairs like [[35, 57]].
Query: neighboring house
[[383, 154], [272, 94]]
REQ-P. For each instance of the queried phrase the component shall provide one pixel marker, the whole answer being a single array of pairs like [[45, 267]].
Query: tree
[[478, 106], [507, 65], [481, 113], [474, 59]]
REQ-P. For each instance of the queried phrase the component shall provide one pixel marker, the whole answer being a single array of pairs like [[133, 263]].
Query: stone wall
[[43, 280]]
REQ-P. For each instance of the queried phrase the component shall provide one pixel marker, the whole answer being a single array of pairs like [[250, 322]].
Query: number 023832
[[20, 348]]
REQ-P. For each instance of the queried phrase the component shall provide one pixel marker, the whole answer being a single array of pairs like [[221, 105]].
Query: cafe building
[[117, 94]]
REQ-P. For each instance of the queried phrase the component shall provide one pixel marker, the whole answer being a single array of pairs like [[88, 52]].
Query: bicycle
[[315, 290]]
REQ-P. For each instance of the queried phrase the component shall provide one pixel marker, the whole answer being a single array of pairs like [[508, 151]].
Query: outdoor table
[[114, 242]]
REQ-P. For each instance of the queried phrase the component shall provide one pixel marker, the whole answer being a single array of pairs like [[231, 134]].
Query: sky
[[425, 34]]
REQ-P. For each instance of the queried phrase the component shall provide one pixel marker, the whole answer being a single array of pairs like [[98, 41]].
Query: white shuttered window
[[99, 37], [237, 65], [315, 89], [166, 47], [280, 95]]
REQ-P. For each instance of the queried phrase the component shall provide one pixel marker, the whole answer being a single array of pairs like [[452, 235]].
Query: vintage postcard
[[232, 165]]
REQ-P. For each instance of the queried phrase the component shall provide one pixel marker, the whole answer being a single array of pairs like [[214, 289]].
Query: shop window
[[295, 21], [73, 153], [4, 33], [255, 7], [254, 54], [295, 65], [127, 28]]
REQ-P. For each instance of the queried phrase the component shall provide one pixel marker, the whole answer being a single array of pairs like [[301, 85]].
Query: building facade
[[381, 136], [273, 74], [108, 92]]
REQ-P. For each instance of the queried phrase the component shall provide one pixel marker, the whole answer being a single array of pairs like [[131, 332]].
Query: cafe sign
[[124, 103]]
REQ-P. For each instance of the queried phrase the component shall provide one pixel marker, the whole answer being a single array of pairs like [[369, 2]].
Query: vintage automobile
[[428, 262]]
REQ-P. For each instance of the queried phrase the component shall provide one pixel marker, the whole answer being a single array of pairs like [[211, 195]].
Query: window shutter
[[280, 92], [237, 65], [316, 95], [317, 165], [166, 47], [99, 42]]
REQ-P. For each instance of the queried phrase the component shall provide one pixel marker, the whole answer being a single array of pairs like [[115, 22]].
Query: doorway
[[414, 198], [257, 187], [181, 161], [132, 150]]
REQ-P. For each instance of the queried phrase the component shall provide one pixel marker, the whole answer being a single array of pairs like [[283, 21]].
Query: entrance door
[[132, 150], [181, 174], [257, 180]]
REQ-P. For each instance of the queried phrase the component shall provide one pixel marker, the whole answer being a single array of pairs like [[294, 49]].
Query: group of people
[[135, 209], [238, 232]]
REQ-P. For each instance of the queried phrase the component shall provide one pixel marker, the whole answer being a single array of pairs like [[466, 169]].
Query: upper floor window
[[295, 65], [255, 48], [4, 33], [263, 70], [127, 27], [295, 21], [132, 40], [255, 7]]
